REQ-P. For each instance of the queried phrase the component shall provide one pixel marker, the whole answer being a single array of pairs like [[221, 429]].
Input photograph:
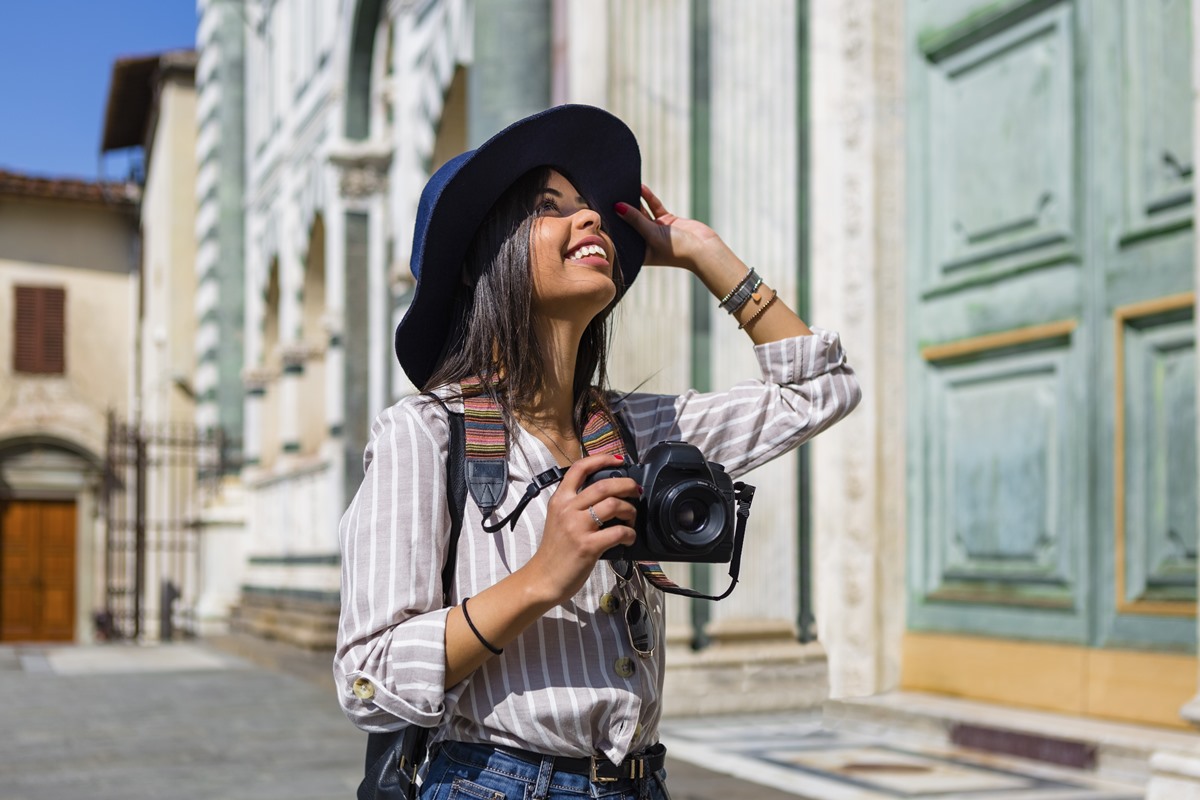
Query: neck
[[554, 408]]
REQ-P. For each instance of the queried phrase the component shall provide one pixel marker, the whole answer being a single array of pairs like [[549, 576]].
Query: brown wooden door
[[37, 571]]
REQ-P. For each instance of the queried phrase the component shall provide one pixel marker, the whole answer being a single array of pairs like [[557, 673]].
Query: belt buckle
[[597, 777], [633, 767]]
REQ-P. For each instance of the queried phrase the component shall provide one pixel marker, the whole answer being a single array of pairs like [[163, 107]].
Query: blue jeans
[[461, 771]]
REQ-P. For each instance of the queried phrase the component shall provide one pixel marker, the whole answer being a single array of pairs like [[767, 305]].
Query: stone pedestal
[[744, 678], [1175, 772], [220, 534], [1176, 775]]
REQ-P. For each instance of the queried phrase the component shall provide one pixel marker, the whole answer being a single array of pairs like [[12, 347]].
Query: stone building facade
[[68, 350], [1003, 242]]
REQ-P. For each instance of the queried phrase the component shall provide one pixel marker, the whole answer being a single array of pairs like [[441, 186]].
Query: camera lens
[[692, 516]]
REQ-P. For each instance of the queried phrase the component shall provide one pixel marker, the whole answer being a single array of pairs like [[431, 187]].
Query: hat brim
[[597, 150]]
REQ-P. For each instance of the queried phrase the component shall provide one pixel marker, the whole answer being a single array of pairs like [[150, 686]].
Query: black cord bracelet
[[474, 630]]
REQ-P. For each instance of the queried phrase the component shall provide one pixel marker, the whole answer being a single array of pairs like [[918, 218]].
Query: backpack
[[394, 758]]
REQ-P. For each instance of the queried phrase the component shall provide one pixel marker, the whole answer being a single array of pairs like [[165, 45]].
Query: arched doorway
[[46, 494]]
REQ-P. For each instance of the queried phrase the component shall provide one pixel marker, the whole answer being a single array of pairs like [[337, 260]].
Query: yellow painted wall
[[87, 252], [1126, 685]]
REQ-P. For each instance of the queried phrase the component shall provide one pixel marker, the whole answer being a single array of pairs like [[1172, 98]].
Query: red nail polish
[[619, 457], [641, 490], [622, 208]]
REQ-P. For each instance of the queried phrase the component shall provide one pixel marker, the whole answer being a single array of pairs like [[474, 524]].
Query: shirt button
[[364, 689], [609, 603], [624, 667]]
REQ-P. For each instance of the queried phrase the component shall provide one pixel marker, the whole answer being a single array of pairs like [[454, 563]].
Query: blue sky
[[56, 61]]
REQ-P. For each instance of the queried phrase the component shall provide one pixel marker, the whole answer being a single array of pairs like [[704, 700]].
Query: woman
[[538, 684]]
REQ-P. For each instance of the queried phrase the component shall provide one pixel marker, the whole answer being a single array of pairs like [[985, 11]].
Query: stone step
[[294, 620], [744, 678], [1111, 750]]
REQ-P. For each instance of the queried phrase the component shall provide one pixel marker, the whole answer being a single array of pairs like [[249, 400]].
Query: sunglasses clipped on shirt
[[638, 622]]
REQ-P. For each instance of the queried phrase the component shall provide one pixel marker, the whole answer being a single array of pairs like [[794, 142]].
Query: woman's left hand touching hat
[[671, 241]]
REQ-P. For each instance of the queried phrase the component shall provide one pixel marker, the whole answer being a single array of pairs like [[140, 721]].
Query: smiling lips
[[589, 251]]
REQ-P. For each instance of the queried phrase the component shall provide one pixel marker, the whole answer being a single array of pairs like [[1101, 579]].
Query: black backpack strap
[[456, 490], [393, 758], [456, 496]]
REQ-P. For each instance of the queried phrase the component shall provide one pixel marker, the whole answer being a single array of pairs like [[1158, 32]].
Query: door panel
[[37, 571], [1156, 48], [1157, 465], [1004, 460], [1000, 546], [18, 571], [1143, 251], [1001, 156], [1052, 415], [58, 571]]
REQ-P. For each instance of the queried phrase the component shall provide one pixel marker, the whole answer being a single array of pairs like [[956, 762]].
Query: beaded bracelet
[[474, 630], [762, 310], [741, 293], [732, 291]]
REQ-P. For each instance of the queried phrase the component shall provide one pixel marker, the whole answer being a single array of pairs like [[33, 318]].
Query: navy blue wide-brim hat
[[597, 151]]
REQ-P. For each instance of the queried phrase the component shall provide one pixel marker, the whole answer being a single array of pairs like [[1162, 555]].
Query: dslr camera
[[686, 511]]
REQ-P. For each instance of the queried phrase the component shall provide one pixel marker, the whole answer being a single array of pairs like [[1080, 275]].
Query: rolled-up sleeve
[[807, 385], [390, 661]]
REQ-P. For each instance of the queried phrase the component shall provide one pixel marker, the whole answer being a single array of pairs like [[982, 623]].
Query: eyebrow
[[557, 193]]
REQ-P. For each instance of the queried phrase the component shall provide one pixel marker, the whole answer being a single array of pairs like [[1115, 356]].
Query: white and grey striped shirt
[[554, 689]]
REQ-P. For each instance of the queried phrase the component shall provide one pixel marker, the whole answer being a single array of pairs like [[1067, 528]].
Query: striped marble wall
[[755, 207], [219, 223], [747, 180], [649, 86]]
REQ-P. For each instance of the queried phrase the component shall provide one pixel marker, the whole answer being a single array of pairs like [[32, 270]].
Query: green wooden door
[[1052, 377]]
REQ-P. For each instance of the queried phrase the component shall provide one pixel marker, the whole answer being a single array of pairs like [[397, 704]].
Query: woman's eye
[[547, 206]]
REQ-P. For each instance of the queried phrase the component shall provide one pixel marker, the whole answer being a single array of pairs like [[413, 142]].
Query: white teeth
[[588, 250]]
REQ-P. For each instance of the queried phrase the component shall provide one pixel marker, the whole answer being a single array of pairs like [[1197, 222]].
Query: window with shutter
[[39, 340]]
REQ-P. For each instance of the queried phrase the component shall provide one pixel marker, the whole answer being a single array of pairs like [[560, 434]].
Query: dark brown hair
[[493, 334]]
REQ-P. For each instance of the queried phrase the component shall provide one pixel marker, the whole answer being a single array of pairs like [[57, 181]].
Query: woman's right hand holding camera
[[572, 543]]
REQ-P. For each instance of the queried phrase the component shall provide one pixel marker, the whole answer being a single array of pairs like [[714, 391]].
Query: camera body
[[686, 511]]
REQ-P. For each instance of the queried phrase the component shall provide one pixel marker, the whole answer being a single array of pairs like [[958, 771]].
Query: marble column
[[856, 185], [359, 274], [293, 356], [335, 354], [254, 382]]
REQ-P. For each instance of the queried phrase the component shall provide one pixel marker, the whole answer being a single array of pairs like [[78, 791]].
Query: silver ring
[[592, 511]]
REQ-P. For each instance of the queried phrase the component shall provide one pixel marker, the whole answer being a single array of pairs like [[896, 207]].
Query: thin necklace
[[555, 444]]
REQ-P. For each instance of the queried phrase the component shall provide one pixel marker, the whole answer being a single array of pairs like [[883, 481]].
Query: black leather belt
[[598, 768]]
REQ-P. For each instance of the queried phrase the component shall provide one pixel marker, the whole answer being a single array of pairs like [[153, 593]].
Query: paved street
[[198, 722], [237, 718]]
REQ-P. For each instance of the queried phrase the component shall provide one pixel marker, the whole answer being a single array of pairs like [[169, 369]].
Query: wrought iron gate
[[157, 479]]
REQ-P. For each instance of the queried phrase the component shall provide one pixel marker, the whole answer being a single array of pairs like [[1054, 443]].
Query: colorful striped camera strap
[[487, 475]]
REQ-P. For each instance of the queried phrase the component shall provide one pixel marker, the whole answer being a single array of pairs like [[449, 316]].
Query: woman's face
[[572, 256]]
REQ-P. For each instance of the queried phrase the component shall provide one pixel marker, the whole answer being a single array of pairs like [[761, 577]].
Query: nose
[[586, 218]]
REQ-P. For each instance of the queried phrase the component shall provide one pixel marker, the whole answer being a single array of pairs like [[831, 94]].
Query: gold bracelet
[[761, 311]]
